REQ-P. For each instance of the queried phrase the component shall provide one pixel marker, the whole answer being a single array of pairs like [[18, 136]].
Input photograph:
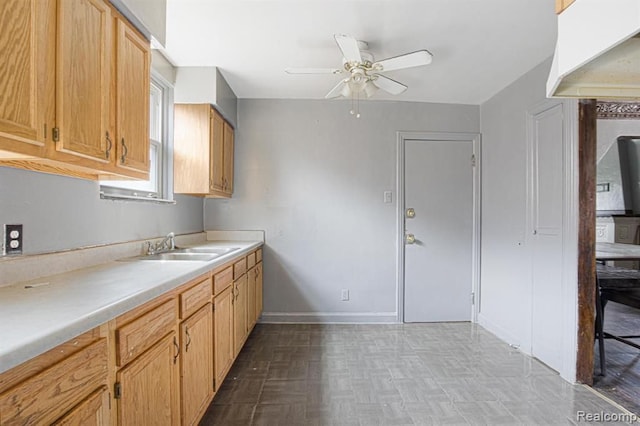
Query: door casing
[[475, 256]]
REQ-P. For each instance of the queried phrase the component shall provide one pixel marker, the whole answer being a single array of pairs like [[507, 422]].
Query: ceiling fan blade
[[389, 85], [312, 70], [414, 59], [349, 47], [336, 91]]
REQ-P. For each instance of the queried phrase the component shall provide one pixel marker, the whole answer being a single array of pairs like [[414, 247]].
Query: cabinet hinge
[[214, 384], [473, 298], [473, 160], [55, 133], [117, 390]]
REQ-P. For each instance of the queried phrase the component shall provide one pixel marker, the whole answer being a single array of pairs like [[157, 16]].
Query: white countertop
[[61, 307]]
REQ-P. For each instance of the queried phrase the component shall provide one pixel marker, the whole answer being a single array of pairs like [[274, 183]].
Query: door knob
[[410, 239]]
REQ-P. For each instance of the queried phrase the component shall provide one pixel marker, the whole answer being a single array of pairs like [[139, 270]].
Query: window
[[156, 188]]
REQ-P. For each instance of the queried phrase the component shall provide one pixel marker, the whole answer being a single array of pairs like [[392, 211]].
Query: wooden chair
[[618, 285]]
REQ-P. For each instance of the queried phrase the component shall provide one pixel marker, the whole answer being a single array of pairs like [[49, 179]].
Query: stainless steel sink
[[197, 257], [191, 254], [174, 256], [209, 250]]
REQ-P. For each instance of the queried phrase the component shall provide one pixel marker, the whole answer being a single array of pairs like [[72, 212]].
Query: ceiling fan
[[363, 73]]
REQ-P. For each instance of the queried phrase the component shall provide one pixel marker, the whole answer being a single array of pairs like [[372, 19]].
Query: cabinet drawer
[[222, 280], [259, 255], [191, 300], [46, 396], [251, 260], [239, 268], [140, 334]]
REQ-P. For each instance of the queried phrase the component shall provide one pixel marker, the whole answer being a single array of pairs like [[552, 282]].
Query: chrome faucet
[[168, 243]]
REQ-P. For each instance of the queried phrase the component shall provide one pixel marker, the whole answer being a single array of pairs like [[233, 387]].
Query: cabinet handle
[[186, 331], [109, 146], [175, 343], [125, 151]]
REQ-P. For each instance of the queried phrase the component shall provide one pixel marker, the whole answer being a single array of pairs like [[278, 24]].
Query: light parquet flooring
[[401, 374]]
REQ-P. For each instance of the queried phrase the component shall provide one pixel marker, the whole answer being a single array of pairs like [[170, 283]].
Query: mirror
[[618, 178]]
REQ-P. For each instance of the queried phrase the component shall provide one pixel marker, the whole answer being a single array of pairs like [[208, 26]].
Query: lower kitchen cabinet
[[223, 334], [158, 364], [240, 300], [196, 369], [259, 292], [93, 411], [251, 298], [147, 389], [49, 389]]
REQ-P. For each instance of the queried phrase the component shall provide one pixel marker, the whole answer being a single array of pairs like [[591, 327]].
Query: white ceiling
[[479, 46]]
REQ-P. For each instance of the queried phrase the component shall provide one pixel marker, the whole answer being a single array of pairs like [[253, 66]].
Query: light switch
[[388, 197]]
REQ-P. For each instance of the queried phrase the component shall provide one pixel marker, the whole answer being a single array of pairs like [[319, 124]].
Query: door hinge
[[214, 384], [117, 390], [55, 132], [473, 298], [473, 160]]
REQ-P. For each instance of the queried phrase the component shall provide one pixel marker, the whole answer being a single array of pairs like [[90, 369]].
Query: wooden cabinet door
[[217, 151], [27, 70], [251, 298], [191, 145], [240, 313], [93, 411], [149, 386], [228, 158], [83, 79], [132, 98], [223, 334], [259, 296], [196, 379]]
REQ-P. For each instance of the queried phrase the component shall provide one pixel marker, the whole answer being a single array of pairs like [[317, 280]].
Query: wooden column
[[586, 239]]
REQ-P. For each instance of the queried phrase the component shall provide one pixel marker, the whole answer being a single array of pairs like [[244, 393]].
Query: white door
[[438, 186], [546, 173]]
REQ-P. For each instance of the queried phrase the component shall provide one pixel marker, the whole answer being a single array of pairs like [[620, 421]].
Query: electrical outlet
[[12, 239], [345, 295]]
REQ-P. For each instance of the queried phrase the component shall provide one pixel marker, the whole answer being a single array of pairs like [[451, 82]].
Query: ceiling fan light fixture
[[357, 81], [370, 89]]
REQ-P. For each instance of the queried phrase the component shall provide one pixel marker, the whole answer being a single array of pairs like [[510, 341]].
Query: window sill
[[135, 198]]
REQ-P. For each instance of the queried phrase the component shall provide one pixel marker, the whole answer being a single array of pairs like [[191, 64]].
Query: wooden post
[[586, 239]]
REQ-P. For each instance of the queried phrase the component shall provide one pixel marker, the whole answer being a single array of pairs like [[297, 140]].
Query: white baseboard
[[500, 332], [329, 318]]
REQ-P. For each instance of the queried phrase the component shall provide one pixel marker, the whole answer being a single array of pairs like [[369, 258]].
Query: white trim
[[569, 291], [475, 139], [501, 333], [329, 318], [570, 243]]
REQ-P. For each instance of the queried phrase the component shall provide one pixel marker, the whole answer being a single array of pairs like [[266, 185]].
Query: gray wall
[[313, 177], [60, 213], [505, 304], [226, 100]]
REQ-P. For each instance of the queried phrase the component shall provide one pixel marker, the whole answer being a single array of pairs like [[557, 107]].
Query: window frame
[[111, 190]]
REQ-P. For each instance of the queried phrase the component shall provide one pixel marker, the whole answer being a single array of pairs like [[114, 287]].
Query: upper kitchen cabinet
[[203, 152], [80, 90], [132, 98], [83, 77], [562, 5], [27, 69]]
